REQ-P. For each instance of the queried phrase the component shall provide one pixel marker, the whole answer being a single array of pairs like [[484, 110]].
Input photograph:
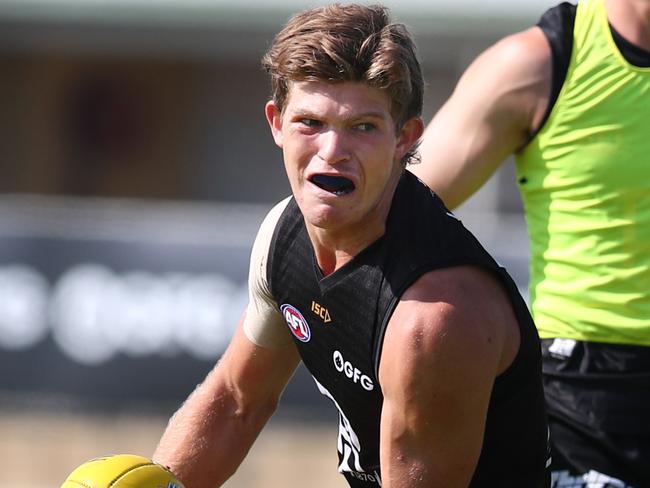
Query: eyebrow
[[307, 113]]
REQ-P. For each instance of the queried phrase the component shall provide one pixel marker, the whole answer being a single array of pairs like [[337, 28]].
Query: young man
[[409, 327], [571, 98]]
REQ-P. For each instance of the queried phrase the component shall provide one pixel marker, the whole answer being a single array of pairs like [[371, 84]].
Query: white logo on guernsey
[[592, 479], [343, 366], [349, 446]]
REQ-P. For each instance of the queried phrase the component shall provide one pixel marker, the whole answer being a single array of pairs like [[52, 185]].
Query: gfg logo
[[296, 322], [345, 367]]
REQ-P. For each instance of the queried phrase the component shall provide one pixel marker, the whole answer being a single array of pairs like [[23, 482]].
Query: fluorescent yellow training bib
[[585, 184]]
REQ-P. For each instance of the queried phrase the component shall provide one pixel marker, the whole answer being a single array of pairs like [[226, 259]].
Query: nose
[[333, 147]]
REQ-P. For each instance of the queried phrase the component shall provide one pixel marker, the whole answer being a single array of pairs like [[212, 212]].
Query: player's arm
[[451, 334], [209, 436], [207, 439], [498, 102]]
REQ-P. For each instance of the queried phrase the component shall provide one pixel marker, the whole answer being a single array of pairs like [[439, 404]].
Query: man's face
[[341, 152]]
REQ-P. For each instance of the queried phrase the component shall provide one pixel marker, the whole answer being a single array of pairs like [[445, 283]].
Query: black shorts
[[598, 401]]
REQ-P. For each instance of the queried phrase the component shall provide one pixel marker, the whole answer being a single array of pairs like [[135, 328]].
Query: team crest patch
[[296, 322]]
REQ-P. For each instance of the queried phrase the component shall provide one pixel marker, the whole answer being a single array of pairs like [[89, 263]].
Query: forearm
[[409, 461], [405, 471], [210, 435]]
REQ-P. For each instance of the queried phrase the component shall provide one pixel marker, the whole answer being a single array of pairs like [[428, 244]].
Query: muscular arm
[[498, 102], [210, 435], [452, 333]]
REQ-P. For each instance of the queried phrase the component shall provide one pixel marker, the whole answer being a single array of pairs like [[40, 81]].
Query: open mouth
[[338, 185]]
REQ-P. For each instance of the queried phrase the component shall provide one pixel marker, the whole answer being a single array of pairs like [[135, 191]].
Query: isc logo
[[296, 322], [321, 311]]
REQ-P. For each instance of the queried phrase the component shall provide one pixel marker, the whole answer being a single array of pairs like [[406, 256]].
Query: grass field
[[38, 450]]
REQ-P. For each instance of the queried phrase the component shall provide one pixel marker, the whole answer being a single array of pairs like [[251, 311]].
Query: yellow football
[[121, 471]]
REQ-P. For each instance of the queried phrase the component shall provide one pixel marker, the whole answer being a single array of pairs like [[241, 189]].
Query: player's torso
[[333, 320], [338, 323]]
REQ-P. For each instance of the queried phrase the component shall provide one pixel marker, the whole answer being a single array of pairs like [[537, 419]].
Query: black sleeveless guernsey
[[338, 324]]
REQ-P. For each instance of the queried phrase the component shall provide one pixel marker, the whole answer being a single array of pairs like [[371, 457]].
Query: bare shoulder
[[516, 74], [498, 103], [464, 294], [455, 319], [524, 51]]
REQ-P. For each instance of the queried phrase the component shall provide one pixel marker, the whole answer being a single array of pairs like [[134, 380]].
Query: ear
[[274, 118], [408, 135]]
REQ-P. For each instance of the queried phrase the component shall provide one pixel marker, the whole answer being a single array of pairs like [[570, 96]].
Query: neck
[[333, 251], [631, 18]]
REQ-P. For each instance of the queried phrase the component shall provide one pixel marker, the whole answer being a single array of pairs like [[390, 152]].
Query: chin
[[324, 216]]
